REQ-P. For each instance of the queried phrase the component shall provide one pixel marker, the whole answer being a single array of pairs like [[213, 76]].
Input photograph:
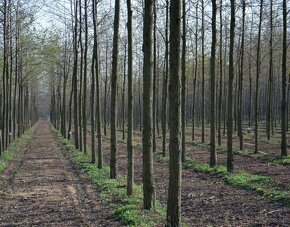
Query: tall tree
[[114, 80], [183, 81], [270, 80], [230, 158], [148, 179], [85, 80], [165, 81], [258, 72], [220, 73], [195, 73], [75, 80], [241, 75], [81, 73], [284, 83], [154, 77], [130, 178], [98, 99], [174, 189], [203, 75], [92, 107], [213, 155]]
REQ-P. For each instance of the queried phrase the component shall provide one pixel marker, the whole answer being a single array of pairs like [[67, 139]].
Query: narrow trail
[[44, 188]]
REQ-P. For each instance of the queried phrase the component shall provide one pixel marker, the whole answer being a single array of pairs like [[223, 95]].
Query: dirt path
[[44, 188]]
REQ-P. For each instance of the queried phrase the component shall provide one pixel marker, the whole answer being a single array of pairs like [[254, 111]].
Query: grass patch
[[198, 143], [283, 161], [15, 147], [262, 184], [260, 155], [127, 209]]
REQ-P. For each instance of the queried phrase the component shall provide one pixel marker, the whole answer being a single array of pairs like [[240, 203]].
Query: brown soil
[[206, 200], [43, 187], [278, 172]]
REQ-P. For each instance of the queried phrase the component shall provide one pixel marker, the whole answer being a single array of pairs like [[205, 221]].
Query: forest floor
[[42, 186], [206, 199]]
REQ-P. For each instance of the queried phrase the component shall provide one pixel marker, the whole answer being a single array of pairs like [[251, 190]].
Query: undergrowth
[[127, 209], [15, 147]]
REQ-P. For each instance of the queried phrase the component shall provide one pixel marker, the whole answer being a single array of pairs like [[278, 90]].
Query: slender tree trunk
[[148, 179], [270, 82], [105, 98], [75, 81], [114, 85], [258, 69], [174, 189], [230, 162], [70, 114], [213, 155], [5, 59], [154, 80], [284, 83], [195, 73], [164, 89], [80, 106], [130, 178], [240, 102], [123, 96], [203, 76], [85, 80], [183, 81], [220, 74]]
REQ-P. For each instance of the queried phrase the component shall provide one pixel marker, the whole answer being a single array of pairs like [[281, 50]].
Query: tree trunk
[[85, 80], [240, 95], [284, 83], [220, 74], [213, 155], [270, 82], [230, 161], [174, 190], [203, 75], [148, 179], [258, 69], [183, 82], [130, 177], [164, 89], [75, 81], [114, 85]]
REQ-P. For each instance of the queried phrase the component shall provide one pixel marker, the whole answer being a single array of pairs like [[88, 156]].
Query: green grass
[[198, 143], [262, 184], [260, 155], [15, 147], [127, 209], [283, 161]]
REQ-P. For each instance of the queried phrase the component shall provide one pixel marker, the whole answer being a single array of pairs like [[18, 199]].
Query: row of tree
[[18, 94], [223, 79]]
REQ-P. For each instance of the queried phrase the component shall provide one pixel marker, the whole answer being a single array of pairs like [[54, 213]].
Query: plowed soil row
[[206, 200]]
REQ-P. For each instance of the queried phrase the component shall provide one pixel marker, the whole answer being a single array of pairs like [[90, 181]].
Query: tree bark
[[213, 155], [284, 83], [148, 179], [174, 189], [114, 85], [183, 82], [130, 178], [230, 164]]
